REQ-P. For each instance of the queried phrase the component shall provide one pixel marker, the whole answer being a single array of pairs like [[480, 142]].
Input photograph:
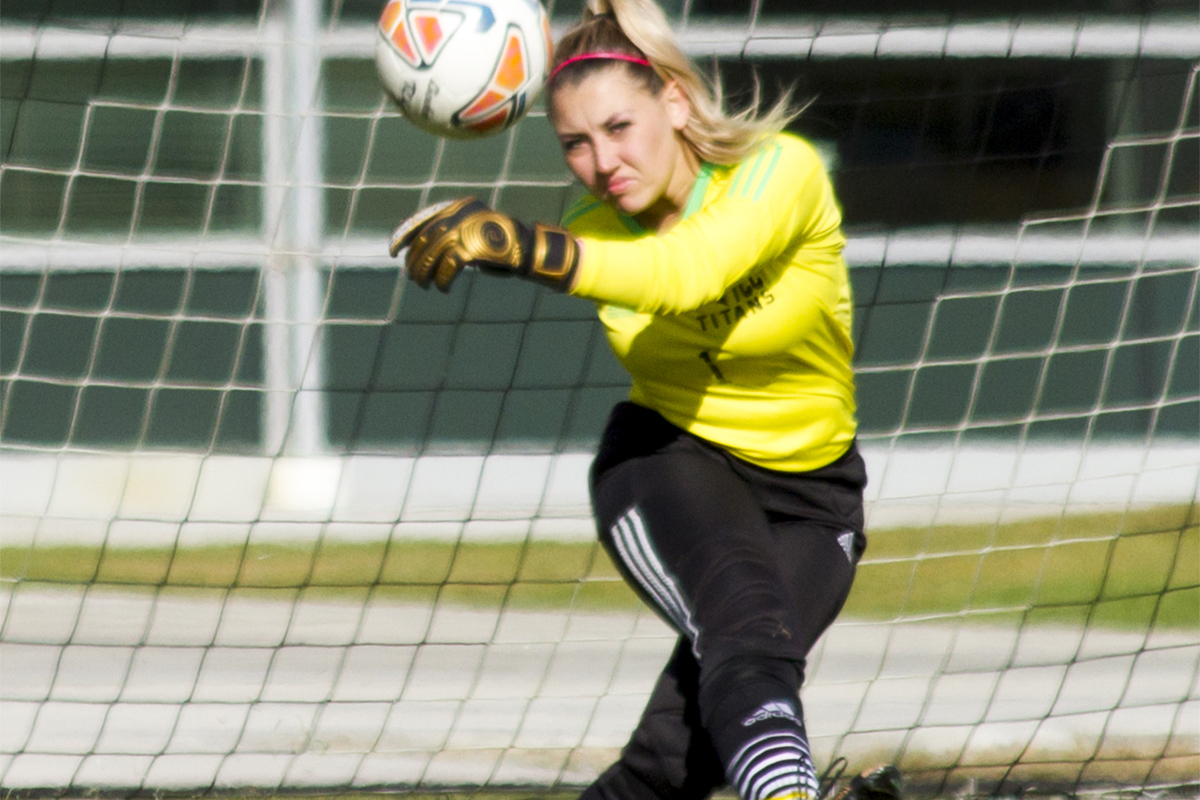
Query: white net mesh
[[272, 520]]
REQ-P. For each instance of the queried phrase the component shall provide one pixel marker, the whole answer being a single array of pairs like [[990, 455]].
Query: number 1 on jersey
[[707, 358]]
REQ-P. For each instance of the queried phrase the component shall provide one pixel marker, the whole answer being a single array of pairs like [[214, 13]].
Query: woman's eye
[[617, 127]]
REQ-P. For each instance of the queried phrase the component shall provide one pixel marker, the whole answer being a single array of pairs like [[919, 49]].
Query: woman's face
[[623, 142]]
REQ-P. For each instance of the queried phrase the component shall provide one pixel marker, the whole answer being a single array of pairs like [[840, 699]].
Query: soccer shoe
[[878, 783]]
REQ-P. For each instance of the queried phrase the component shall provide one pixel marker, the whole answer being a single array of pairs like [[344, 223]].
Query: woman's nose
[[605, 155]]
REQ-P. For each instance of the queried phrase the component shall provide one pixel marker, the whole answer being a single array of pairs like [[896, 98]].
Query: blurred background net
[[273, 521]]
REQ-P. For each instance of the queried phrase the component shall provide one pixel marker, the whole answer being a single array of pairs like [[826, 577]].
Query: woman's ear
[[679, 109]]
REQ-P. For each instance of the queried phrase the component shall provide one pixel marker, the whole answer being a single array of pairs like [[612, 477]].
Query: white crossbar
[[913, 247], [1084, 36]]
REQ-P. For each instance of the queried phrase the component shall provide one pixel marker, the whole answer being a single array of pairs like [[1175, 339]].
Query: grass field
[[1130, 570]]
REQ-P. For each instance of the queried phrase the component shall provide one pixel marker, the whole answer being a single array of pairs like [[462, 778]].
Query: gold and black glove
[[446, 237]]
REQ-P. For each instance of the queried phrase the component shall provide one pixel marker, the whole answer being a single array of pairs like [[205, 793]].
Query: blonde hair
[[639, 28]]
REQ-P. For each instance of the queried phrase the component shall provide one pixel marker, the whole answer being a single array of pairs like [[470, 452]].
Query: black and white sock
[[751, 710], [773, 761]]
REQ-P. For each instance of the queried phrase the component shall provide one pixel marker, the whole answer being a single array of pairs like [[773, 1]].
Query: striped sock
[[772, 761]]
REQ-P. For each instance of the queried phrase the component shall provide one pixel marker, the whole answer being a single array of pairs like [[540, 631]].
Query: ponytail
[[639, 28]]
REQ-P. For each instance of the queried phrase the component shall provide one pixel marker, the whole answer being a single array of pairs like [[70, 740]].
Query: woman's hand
[[444, 238]]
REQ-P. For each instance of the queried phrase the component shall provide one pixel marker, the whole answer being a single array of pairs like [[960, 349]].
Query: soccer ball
[[463, 68]]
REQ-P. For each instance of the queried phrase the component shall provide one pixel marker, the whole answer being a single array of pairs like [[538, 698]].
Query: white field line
[[142, 499]]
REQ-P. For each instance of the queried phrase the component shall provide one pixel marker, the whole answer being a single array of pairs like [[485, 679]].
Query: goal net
[[274, 521]]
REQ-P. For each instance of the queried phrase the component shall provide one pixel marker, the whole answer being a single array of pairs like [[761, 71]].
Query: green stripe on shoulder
[[745, 177], [699, 189], [776, 152], [580, 207], [739, 175]]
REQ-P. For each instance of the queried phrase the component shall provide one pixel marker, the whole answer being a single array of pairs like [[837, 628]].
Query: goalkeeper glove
[[446, 237]]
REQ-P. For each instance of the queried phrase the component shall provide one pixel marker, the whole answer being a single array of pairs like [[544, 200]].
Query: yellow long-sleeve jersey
[[735, 323]]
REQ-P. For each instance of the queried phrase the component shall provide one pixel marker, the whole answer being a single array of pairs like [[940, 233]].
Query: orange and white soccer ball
[[463, 68]]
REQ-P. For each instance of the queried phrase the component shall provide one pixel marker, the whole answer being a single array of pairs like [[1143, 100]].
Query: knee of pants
[[739, 682]]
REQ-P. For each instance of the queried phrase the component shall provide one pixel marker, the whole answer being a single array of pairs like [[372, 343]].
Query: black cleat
[[878, 783]]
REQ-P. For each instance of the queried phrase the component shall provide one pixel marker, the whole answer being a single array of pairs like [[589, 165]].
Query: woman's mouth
[[618, 186]]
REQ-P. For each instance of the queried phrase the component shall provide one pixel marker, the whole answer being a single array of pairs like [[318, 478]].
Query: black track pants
[[750, 566]]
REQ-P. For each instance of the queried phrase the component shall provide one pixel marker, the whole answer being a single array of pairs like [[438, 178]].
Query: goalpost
[[273, 522]]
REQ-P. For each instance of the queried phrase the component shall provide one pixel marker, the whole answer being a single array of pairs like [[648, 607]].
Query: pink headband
[[603, 54]]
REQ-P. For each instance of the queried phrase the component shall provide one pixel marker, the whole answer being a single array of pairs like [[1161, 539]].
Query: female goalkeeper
[[728, 488]]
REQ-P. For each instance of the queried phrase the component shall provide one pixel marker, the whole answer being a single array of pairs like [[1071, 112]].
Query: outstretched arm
[[682, 269]]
